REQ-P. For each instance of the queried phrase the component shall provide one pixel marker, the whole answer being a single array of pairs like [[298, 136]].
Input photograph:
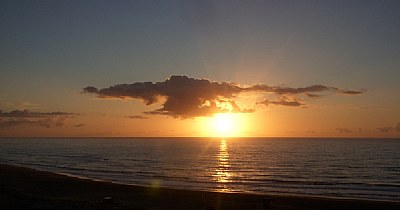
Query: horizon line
[[214, 137]]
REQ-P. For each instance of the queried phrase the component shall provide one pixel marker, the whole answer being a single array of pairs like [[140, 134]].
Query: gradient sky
[[51, 50]]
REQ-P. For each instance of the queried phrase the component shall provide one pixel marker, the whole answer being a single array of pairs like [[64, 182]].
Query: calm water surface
[[346, 168]]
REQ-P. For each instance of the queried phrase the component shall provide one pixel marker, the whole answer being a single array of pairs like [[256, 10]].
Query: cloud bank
[[185, 97], [26, 118]]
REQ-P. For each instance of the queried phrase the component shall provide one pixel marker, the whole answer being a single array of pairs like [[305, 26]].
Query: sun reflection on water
[[222, 172]]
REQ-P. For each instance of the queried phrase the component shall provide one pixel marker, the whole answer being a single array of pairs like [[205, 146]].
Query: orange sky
[[280, 68]]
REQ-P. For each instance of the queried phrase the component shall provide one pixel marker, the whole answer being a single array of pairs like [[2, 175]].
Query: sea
[[321, 167]]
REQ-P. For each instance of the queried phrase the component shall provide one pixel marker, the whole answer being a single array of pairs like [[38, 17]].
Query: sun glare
[[224, 125]]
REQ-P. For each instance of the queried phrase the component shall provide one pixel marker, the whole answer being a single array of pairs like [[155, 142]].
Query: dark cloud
[[79, 125], [186, 97], [140, 117], [25, 118]]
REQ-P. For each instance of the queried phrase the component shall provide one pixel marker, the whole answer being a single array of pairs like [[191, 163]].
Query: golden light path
[[222, 173], [224, 126]]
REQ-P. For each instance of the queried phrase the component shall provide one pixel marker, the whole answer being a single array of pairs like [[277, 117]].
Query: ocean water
[[344, 168]]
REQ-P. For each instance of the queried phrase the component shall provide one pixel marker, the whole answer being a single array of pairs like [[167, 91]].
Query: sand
[[24, 188]]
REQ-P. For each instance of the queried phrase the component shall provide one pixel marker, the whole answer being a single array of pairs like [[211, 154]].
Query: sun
[[224, 125]]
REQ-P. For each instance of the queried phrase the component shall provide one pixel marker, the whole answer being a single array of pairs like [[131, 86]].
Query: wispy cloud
[[344, 130], [313, 95], [138, 117], [79, 125], [283, 101], [347, 130], [26, 118], [186, 97], [302, 90], [385, 129], [388, 129]]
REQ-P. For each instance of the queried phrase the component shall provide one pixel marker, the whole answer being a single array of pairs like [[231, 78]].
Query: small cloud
[[313, 95], [283, 101], [79, 125], [303, 90], [90, 89], [385, 129], [289, 90], [388, 129], [344, 130], [349, 92], [26, 118], [27, 113], [139, 117]]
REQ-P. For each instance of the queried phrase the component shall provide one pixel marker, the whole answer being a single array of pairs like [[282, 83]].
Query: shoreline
[[26, 188], [211, 191], [205, 190]]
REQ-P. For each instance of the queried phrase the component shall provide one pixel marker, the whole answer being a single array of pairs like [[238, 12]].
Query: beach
[[25, 188]]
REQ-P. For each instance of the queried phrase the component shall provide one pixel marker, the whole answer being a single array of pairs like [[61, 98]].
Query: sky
[[200, 68]]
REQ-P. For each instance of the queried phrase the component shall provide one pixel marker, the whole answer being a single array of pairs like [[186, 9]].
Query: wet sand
[[24, 188]]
